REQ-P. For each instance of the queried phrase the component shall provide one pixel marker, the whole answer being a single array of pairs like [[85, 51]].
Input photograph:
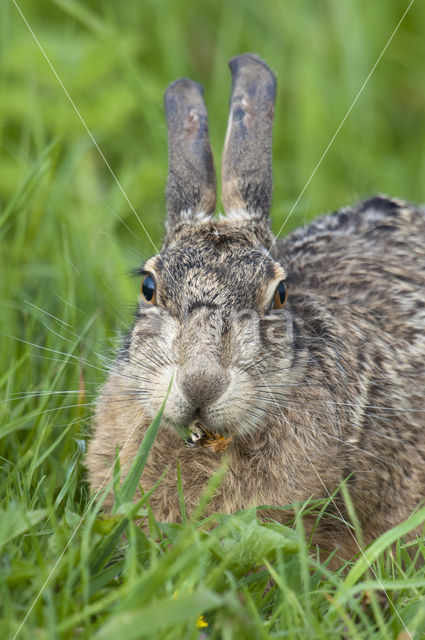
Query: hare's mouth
[[196, 435]]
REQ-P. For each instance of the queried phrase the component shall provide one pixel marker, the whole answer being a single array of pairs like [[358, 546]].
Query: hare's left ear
[[191, 185], [247, 164]]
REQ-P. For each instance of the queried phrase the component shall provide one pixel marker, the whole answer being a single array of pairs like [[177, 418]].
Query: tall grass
[[69, 240]]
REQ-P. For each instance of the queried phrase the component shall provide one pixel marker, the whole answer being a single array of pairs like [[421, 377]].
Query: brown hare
[[302, 361]]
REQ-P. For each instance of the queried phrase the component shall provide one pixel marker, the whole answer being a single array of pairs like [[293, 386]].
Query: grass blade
[[131, 482]]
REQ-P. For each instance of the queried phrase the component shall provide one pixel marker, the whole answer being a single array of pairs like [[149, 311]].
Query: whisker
[[342, 419], [278, 414]]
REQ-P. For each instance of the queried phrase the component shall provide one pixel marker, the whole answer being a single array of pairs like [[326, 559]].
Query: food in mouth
[[195, 435]]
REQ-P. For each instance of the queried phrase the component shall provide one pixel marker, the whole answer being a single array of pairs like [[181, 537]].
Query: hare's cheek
[[277, 329], [144, 344], [149, 358]]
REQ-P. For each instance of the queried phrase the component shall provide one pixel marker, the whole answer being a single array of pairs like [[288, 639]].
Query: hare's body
[[326, 388]]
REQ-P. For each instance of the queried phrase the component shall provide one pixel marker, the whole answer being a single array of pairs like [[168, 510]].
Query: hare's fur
[[326, 389]]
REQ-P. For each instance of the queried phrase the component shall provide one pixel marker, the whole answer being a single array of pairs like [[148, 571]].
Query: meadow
[[83, 167]]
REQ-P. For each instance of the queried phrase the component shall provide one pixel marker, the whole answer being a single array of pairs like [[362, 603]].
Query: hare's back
[[372, 254]]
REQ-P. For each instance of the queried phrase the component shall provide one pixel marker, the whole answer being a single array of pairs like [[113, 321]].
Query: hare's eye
[[149, 289], [279, 297]]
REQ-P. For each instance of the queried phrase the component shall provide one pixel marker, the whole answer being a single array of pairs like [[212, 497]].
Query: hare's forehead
[[225, 267]]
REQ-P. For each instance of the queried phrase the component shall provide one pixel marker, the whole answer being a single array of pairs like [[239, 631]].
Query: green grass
[[68, 241]]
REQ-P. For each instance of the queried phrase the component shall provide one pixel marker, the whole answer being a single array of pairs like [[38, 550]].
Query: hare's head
[[211, 314]]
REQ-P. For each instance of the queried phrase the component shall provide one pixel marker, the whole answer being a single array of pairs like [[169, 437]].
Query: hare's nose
[[202, 380]]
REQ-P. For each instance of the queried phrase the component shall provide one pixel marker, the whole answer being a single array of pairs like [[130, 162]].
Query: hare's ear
[[191, 185], [247, 167]]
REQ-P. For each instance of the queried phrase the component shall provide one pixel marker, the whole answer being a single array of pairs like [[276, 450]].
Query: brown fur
[[329, 387]]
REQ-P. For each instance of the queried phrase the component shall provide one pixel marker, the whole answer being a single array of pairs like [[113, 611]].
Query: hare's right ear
[[246, 168], [191, 185]]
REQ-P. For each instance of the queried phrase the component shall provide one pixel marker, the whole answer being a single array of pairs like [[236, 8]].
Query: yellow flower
[[201, 622]]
